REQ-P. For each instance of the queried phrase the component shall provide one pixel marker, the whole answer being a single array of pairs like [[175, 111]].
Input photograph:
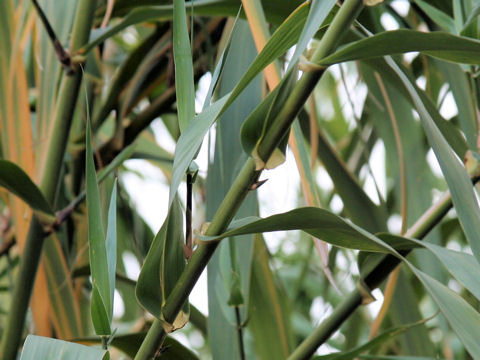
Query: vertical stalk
[[247, 177], [241, 346], [188, 216], [50, 179]]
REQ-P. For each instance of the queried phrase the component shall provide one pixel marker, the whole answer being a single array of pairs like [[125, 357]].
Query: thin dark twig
[[240, 333], [188, 217], [62, 55]]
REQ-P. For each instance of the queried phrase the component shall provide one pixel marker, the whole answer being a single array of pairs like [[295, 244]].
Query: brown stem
[[188, 218], [62, 55], [241, 346]]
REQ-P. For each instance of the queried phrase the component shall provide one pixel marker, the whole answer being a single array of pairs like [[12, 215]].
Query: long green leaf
[[190, 141], [451, 133], [101, 307], [438, 16], [461, 265], [372, 344], [15, 180], [144, 14], [437, 44], [125, 154], [459, 183], [163, 266], [275, 11], [38, 347], [463, 318], [464, 99], [111, 242], [183, 66], [317, 222]]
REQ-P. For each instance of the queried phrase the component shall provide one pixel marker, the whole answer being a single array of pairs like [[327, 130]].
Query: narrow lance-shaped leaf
[[463, 318], [275, 11], [459, 183], [101, 306], [464, 99], [190, 141], [451, 132], [111, 242], [437, 44], [317, 222], [471, 21], [438, 16], [462, 266], [125, 154], [183, 66], [15, 180]]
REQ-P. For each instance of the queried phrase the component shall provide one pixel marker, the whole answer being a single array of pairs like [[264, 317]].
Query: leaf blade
[[182, 54], [111, 242], [101, 298], [15, 180], [437, 44]]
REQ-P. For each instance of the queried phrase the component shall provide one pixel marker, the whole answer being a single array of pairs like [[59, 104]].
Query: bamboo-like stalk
[[418, 231], [49, 183], [247, 177]]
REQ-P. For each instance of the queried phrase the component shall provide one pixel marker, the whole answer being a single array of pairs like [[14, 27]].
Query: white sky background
[[278, 194]]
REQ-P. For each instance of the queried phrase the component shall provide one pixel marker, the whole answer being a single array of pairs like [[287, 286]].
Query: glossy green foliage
[[103, 250], [183, 66], [440, 45], [15, 180], [163, 265]]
